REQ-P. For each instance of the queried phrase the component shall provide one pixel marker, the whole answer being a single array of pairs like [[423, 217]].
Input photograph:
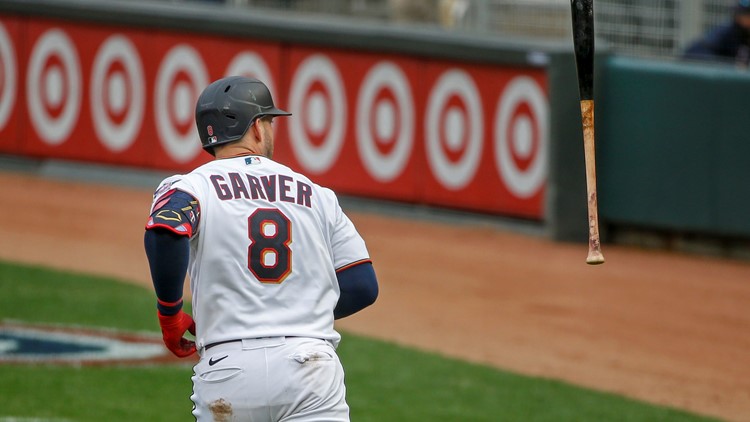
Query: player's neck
[[231, 151]]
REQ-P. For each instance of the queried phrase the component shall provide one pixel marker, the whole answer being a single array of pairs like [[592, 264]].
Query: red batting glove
[[172, 329]]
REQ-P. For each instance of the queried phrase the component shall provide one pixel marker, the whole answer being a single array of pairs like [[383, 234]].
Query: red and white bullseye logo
[[53, 86], [117, 93], [454, 129], [7, 76], [181, 78], [318, 97], [385, 121], [521, 137]]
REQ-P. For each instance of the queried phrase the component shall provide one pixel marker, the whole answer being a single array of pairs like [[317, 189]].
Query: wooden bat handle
[[595, 248]]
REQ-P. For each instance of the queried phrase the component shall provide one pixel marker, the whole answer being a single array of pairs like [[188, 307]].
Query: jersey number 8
[[269, 256]]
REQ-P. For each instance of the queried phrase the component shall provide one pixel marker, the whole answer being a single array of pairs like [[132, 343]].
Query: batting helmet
[[229, 106]]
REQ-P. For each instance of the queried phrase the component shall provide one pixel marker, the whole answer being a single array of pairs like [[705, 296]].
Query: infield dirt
[[661, 327]]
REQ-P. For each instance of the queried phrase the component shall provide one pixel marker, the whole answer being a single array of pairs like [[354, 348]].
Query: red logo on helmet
[[210, 130]]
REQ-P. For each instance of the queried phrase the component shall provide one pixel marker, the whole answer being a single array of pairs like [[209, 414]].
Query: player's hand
[[172, 329]]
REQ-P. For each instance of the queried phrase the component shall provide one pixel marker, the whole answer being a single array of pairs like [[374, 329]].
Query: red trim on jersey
[[169, 304], [354, 264], [184, 229]]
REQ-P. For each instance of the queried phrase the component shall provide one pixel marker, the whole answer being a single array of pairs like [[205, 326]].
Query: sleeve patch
[[176, 211]]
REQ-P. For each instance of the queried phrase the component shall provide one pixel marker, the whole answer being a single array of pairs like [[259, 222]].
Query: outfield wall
[[675, 147], [416, 116]]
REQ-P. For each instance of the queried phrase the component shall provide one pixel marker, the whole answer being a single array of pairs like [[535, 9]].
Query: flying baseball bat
[[583, 43]]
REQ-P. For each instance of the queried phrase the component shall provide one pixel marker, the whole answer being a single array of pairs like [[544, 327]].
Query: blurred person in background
[[422, 11], [729, 43], [447, 13]]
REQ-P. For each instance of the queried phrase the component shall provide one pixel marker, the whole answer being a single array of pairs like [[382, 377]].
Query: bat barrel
[[583, 43]]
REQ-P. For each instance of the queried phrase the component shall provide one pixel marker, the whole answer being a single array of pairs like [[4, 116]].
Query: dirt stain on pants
[[221, 409]]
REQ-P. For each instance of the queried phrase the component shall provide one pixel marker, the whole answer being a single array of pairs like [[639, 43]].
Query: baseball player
[[272, 260]]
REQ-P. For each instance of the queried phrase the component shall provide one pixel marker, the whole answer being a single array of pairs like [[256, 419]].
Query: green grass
[[96, 393], [43, 296], [385, 382]]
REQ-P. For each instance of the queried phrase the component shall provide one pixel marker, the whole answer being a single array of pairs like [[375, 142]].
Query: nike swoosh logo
[[212, 362]]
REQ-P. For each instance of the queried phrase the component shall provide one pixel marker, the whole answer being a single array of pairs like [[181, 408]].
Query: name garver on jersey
[[269, 188]]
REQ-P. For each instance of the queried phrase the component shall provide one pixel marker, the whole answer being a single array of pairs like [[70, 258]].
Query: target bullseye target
[[53, 86], [179, 82], [385, 122], [454, 129], [117, 93], [520, 134], [317, 99]]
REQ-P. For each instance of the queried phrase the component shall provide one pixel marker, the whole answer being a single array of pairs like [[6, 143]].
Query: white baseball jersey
[[264, 251]]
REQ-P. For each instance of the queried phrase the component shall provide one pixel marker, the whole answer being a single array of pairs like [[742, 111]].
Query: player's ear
[[257, 130]]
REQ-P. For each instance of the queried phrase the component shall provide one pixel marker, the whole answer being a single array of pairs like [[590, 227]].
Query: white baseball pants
[[270, 379]]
